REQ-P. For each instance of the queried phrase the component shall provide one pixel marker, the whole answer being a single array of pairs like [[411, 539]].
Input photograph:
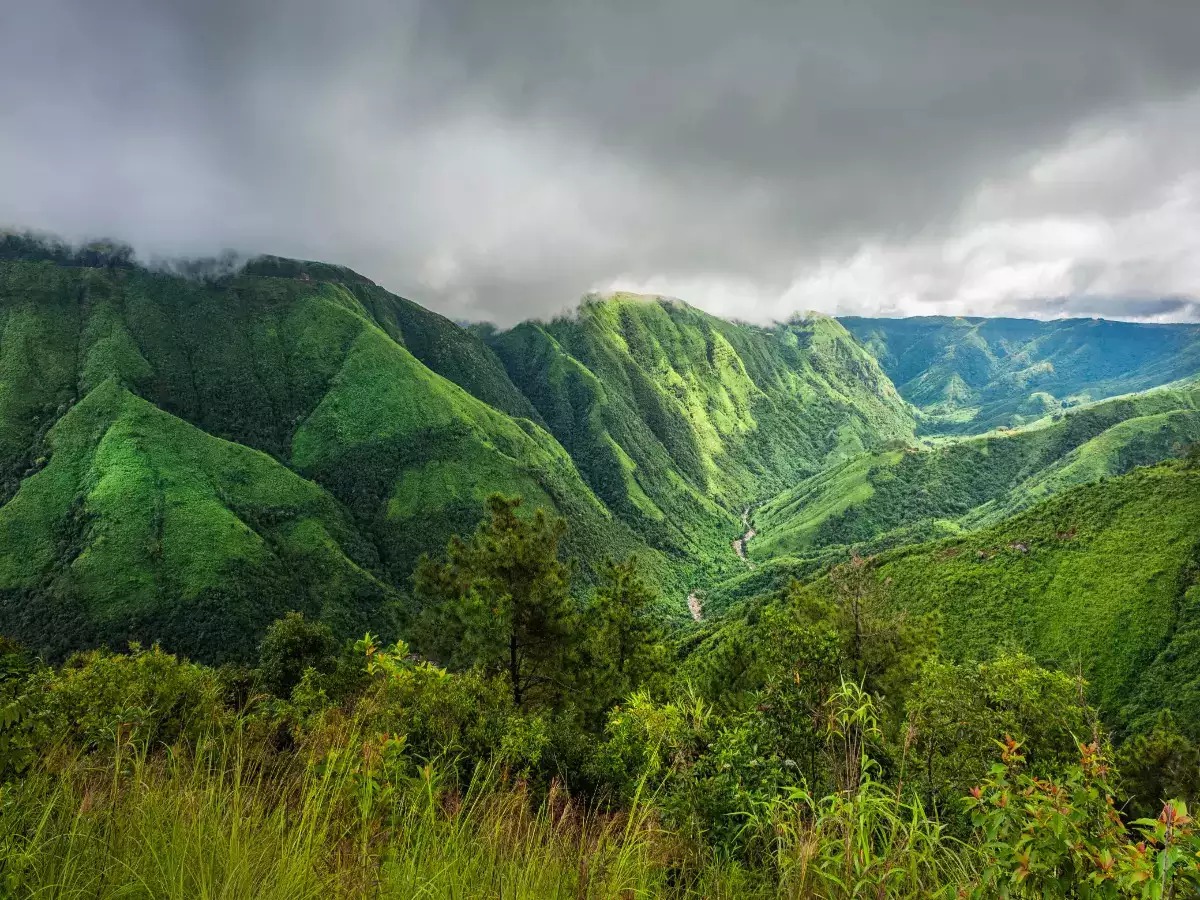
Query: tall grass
[[221, 823], [356, 817]]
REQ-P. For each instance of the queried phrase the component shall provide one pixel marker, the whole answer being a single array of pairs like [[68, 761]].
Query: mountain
[[969, 375], [678, 419], [136, 524], [186, 454], [926, 491], [1103, 578], [185, 459]]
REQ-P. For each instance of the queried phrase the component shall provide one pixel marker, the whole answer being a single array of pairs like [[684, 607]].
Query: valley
[[632, 527], [644, 421], [599, 451]]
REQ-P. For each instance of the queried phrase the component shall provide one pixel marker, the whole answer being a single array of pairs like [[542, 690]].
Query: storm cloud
[[498, 160]]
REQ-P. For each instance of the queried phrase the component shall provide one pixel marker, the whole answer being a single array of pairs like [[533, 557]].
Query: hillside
[[1102, 578], [169, 445], [677, 419], [141, 525], [231, 444], [969, 375], [185, 455], [967, 483]]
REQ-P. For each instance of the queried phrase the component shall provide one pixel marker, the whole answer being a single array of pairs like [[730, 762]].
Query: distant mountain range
[[968, 375]]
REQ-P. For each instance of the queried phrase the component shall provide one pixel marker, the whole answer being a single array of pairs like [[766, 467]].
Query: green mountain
[[185, 455], [137, 524], [921, 492], [185, 459], [677, 419], [972, 374], [1104, 579]]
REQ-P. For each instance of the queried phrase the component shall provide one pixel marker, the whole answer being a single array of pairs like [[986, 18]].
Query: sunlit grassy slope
[[140, 525], [973, 482], [353, 431], [676, 418], [186, 457], [1102, 578], [971, 374]]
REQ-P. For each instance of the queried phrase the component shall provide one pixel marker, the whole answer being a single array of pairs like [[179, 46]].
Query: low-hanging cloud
[[499, 160]]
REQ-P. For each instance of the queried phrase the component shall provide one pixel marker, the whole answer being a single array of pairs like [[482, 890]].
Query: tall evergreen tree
[[502, 601], [625, 632]]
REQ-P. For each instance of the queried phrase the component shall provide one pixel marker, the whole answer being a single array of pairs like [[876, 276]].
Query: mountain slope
[[303, 366], [973, 482], [971, 374], [1102, 577], [677, 419], [138, 525]]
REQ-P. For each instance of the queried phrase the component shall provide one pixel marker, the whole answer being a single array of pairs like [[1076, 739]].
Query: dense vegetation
[[676, 418], [958, 664], [183, 459], [819, 748], [947, 487], [968, 374], [234, 442]]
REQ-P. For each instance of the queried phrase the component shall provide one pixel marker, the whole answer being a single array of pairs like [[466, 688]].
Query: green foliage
[[292, 645], [1162, 762], [502, 601], [422, 780], [1066, 839], [883, 645], [957, 715], [143, 526], [116, 703], [626, 644], [465, 717], [19, 731]]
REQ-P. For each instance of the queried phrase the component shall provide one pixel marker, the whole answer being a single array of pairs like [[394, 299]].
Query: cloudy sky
[[499, 159]]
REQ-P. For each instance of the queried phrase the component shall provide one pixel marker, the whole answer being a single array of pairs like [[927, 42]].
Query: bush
[[146, 698], [291, 645]]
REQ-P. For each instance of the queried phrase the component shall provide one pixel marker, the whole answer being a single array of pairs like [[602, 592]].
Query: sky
[[497, 160]]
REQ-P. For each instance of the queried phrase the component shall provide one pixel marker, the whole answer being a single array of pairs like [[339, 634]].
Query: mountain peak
[[303, 269]]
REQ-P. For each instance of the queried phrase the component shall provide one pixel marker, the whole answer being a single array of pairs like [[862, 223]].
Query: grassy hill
[[169, 446], [926, 491], [231, 443], [972, 374], [677, 419], [139, 525], [1102, 578], [184, 455]]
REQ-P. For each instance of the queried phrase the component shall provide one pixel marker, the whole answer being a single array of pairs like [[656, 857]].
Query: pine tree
[[626, 634], [502, 601]]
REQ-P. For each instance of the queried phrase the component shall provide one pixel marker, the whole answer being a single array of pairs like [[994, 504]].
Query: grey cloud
[[1162, 309], [500, 159]]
